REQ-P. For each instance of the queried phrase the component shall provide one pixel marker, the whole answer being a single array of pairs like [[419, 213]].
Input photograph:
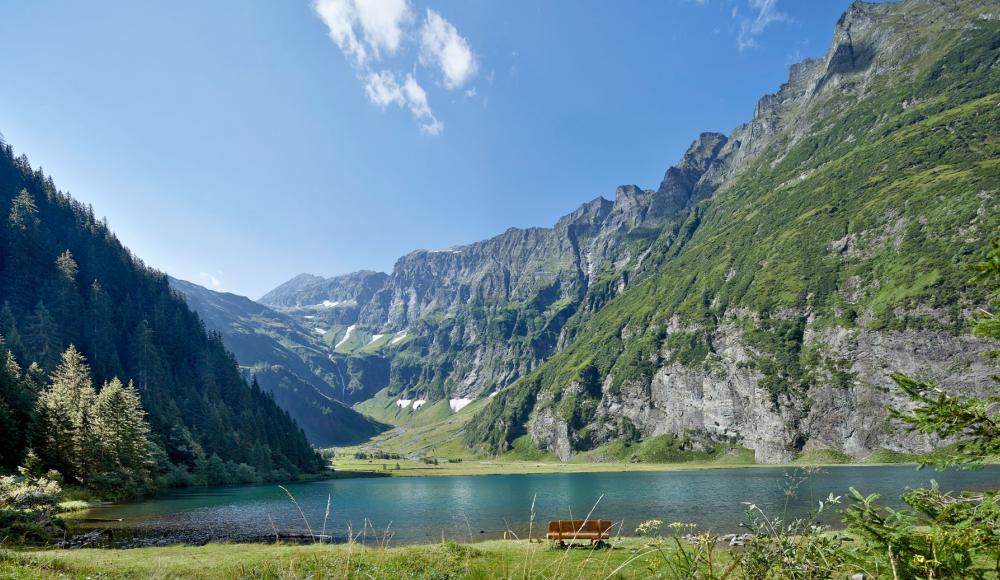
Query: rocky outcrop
[[725, 398]]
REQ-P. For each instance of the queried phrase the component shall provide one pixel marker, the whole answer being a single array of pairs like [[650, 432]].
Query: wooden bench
[[563, 531]]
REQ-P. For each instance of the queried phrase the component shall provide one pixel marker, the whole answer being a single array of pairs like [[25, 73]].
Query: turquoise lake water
[[464, 508]]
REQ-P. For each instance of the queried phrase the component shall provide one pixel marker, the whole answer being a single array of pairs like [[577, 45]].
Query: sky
[[236, 144]]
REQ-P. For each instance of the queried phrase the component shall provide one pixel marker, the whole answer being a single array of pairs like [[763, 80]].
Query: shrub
[[27, 507]]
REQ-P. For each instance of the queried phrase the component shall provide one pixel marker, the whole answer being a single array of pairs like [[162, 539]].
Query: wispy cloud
[[383, 89], [443, 47], [369, 32], [762, 14], [213, 282], [363, 29]]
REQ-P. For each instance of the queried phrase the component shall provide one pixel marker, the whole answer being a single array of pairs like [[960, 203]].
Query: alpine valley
[[759, 297]]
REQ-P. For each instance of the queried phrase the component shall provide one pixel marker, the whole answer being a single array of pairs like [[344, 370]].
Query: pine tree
[[22, 271], [23, 215], [42, 337], [8, 329], [17, 402], [143, 356], [63, 427], [124, 461], [100, 333], [67, 306], [67, 266]]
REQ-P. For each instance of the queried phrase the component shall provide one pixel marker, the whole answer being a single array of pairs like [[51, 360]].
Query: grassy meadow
[[627, 558]]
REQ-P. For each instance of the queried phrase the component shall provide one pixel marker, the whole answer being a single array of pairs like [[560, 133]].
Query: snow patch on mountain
[[458, 404], [347, 335]]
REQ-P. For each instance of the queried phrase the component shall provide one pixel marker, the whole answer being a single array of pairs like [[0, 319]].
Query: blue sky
[[236, 144]]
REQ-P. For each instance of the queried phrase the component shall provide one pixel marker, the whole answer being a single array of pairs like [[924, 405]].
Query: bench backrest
[[579, 526]]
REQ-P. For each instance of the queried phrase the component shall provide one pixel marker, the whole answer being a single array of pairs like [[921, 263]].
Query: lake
[[464, 508]]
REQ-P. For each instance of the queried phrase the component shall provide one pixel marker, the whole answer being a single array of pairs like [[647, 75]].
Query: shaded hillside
[[272, 347], [65, 279]]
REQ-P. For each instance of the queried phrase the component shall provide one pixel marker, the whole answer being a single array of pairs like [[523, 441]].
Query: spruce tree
[[22, 269], [123, 462], [42, 337], [63, 427], [17, 400]]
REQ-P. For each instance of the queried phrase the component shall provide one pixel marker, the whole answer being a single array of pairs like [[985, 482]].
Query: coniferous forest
[[107, 376]]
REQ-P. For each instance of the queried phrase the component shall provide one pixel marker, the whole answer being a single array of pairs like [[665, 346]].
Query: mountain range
[[758, 298]]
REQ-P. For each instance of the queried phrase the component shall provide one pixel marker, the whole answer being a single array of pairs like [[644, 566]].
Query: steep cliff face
[[825, 246]]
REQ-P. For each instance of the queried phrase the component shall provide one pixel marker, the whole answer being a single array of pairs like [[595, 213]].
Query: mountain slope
[[270, 346], [65, 279], [834, 253], [760, 295]]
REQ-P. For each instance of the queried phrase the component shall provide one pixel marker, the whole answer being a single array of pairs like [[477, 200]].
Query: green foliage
[[123, 452], [976, 421], [17, 410], [987, 324], [944, 536], [28, 504], [64, 435], [796, 549]]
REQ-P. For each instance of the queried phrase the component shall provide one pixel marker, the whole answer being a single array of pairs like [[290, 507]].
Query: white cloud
[[382, 22], [443, 47], [211, 280], [364, 28], [339, 17], [370, 31], [384, 89], [416, 99], [750, 28]]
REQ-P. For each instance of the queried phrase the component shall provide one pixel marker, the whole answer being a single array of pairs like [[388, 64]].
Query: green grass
[[668, 449], [823, 457], [523, 449], [492, 559], [882, 456]]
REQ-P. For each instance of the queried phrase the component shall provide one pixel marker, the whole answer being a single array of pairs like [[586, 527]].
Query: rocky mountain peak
[[681, 183]]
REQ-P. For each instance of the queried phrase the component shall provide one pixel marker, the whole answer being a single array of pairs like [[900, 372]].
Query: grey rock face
[[853, 417], [683, 184], [725, 398]]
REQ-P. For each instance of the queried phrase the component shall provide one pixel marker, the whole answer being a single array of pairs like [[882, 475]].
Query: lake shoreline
[[485, 467]]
